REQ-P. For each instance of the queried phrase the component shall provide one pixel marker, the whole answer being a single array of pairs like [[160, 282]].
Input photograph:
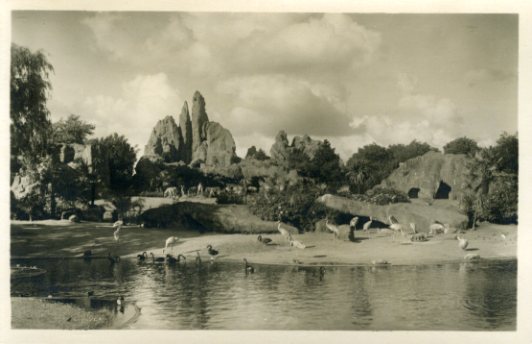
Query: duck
[[113, 259], [181, 257], [142, 257], [265, 241], [462, 242], [212, 251], [170, 260], [248, 268], [156, 260]]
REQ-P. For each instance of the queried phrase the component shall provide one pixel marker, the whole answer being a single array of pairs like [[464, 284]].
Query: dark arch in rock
[[413, 193], [443, 191]]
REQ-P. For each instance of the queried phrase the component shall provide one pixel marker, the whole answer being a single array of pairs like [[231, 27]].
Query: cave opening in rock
[[413, 193], [443, 191]]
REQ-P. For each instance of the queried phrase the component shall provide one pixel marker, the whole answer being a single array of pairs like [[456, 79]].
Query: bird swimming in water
[[113, 259], [248, 268], [265, 241], [170, 260], [212, 251], [87, 255], [156, 260], [142, 257], [181, 257], [462, 242]]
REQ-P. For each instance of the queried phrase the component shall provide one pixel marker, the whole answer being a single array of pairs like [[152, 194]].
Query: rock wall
[[281, 149], [166, 140], [436, 175]]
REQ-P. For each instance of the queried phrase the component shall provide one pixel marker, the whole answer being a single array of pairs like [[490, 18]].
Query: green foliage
[[295, 204], [71, 130], [371, 164], [253, 153], [462, 145], [29, 91]]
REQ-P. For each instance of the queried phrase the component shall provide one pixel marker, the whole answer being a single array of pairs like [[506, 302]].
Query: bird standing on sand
[[265, 241], [367, 225], [248, 268], [285, 232], [170, 242], [462, 242], [212, 252], [332, 228], [118, 225], [352, 228], [395, 226]]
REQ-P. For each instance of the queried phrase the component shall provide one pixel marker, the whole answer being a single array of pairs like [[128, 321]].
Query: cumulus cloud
[[424, 117], [269, 103], [143, 100]]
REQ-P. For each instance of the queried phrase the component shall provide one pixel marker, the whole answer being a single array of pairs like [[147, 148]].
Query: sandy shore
[[323, 248], [64, 239]]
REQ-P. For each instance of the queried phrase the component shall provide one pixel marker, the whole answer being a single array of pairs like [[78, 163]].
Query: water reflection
[[480, 296]]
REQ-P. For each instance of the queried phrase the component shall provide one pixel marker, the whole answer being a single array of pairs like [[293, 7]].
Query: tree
[[71, 130], [402, 152], [462, 145], [29, 91], [506, 153], [121, 157], [325, 166]]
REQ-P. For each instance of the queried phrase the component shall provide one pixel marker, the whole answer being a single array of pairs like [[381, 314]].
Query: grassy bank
[[31, 313]]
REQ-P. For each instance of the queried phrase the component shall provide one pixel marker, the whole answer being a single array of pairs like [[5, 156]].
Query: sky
[[354, 79]]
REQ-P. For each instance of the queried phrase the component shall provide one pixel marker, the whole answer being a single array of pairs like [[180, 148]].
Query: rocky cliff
[[433, 175], [196, 141], [281, 149]]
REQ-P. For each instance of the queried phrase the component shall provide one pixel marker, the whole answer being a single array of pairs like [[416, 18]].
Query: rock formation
[[432, 175], [281, 149], [186, 131], [196, 141]]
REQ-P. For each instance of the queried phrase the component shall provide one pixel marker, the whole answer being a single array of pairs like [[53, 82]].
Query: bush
[[226, 197], [500, 205]]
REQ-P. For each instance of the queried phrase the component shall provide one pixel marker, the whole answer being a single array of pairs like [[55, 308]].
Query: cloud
[[143, 100], [479, 76], [213, 43], [269, 103]]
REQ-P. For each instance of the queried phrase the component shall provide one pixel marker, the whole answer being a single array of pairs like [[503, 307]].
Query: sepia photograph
[[257, 170]]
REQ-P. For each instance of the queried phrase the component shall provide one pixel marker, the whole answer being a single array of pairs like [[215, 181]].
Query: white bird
[[297, 244], [395, 226], [367, 225], [118, 226], [170, 242], [285, 232], [438, 228], [462, 242], [413, 226], [332, 228]]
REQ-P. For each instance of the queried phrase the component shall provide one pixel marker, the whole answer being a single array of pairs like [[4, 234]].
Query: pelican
[[395, 226], [248, 268], [462, 242], [156, 260], [367, 225], [212, 251], [297, 244], [352, 228], [170, 242], [285, 232], [265, 241], [332, 228]]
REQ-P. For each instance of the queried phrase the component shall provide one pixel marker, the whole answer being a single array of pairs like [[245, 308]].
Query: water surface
[[480, 296]]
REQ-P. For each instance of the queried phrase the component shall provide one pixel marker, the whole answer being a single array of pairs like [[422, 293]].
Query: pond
[[460, 296]]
